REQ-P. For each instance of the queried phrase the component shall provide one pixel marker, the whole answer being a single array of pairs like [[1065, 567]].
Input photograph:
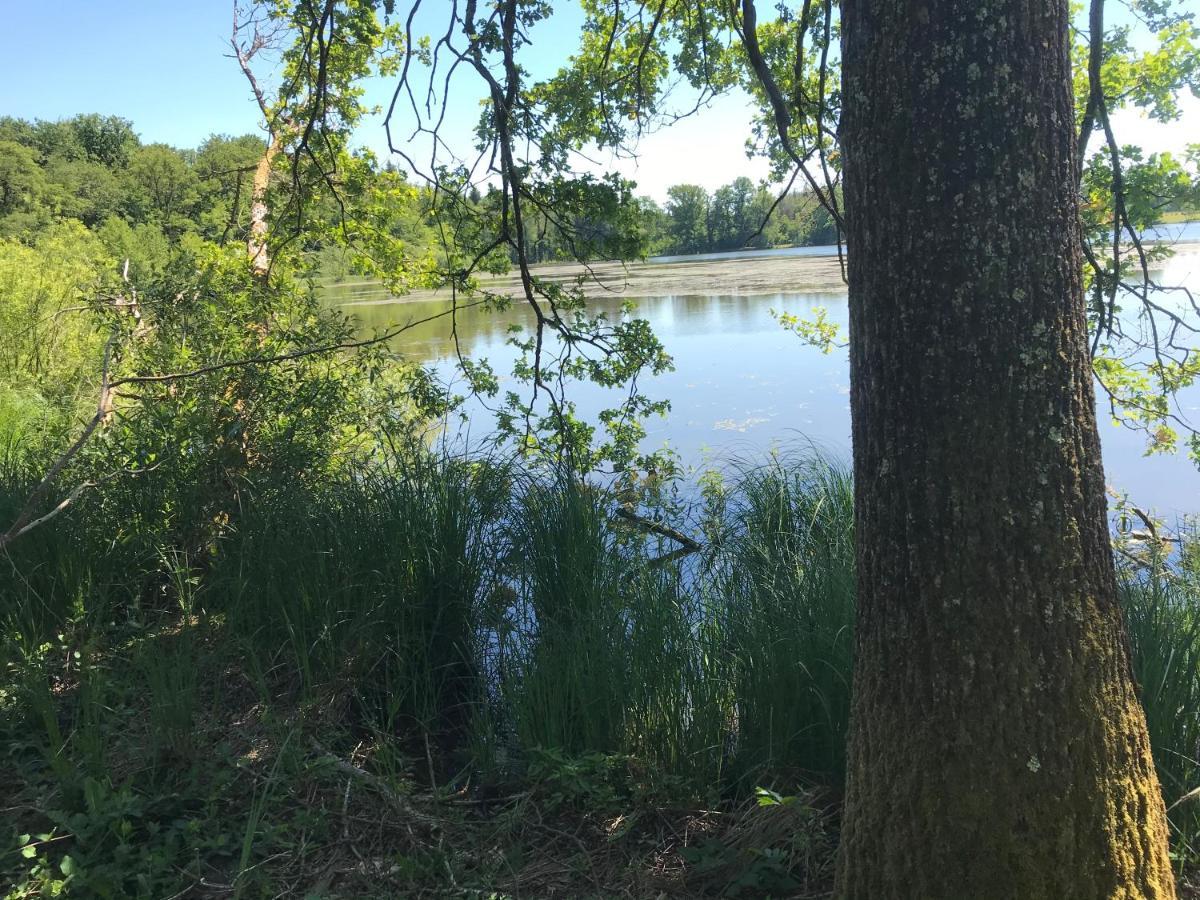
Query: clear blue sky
[[158, 63], [162, 64]]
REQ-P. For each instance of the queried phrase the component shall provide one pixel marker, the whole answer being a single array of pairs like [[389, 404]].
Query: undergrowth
[[455, 678]]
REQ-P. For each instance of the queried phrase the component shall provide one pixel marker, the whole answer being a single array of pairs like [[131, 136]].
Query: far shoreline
[[774, 271]]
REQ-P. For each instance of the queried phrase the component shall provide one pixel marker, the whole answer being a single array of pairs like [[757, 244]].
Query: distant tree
[[722, 215], [84, 189], [225, 171], [737, 211], [108, 140], [654, 223], [17, 130], [687, 205], [22, 182], [163, 187], [56, 139]]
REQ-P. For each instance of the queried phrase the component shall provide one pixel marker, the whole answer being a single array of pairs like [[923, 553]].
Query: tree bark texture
[[256, 238], [997, 749]]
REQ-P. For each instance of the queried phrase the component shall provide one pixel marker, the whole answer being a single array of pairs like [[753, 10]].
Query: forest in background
[[138, 199]]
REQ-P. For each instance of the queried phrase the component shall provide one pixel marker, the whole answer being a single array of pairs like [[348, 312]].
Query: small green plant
[[170, 667], [775, 846]]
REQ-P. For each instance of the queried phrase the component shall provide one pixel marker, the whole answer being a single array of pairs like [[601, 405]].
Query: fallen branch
[[690, 545], [1193, 794]]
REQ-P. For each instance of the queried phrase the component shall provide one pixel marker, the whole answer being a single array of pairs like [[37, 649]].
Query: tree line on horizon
[[138, 198], [142, 199]]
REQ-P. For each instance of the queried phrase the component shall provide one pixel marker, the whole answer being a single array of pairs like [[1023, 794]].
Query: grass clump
[[1161, 597]]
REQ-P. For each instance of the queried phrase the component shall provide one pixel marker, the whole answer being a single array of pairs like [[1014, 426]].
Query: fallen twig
[[397, 801]]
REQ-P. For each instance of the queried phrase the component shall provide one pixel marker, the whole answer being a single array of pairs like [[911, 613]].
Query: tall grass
[[1162, 613], [782, 589], [373, 583], [472, 614], [600, 646]]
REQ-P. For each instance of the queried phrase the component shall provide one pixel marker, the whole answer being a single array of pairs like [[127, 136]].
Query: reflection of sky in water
[[742, 384]]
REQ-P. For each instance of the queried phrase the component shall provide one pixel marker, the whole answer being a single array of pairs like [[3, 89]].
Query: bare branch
[[25, 522]]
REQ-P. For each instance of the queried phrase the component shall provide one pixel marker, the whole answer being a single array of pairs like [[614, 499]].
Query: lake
[[742, 384]]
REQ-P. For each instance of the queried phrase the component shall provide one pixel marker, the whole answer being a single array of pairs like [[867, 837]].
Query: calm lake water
[[742, 385]]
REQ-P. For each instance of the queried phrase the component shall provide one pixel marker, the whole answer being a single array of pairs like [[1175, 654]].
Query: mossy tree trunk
[[997, 745]]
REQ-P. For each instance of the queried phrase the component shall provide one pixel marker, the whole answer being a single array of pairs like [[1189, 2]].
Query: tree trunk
[[997, 746], [256, 238]]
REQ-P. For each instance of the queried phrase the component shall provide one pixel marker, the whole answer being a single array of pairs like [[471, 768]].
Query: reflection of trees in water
[[485, 330], [711, 384]]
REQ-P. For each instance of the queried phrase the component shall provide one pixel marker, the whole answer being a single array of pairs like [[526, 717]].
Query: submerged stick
[[660, 529]]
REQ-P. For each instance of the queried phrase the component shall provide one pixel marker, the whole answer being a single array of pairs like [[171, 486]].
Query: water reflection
[[742, 384]]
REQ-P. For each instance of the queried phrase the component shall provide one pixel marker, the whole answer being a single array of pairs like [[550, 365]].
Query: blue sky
[[162, 64], [158, 63]]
